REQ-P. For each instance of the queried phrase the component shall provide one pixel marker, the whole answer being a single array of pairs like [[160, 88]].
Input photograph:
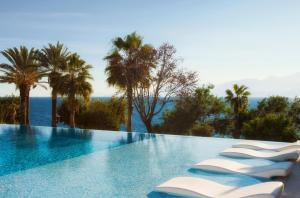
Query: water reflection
[[135, 137], [24, 147]]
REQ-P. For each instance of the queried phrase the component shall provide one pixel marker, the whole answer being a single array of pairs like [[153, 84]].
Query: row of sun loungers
[[197, 187]]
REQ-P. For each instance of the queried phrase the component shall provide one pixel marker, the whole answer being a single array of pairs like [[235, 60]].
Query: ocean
[[40, 113]]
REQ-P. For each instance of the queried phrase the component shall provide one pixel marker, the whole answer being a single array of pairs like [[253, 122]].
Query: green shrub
[[9, 108], [223, 126], [202, 130], [201, 107], [273, 104], [97, 114], [294, 111], [272, 127]]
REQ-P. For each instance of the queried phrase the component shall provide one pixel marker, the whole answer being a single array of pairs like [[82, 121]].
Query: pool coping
[[292, 183]]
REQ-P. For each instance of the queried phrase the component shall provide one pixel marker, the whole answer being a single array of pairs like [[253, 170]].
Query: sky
[[223, 40]]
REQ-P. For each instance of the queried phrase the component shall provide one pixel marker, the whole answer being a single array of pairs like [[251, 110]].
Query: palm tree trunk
[[72, 114], [27, 108], [72, 119], [129, 109], [23, 106], [237, 128], [54, 107]]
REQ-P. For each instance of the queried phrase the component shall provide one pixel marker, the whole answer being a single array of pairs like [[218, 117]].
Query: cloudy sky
[[224, 40]]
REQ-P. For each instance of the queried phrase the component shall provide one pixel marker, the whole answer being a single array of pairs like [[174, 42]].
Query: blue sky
[[224, 40]]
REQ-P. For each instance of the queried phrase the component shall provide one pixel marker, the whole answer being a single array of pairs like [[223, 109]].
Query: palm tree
[[24, 71], [238, 99], [74, 84], [126, 67], [54, 58]]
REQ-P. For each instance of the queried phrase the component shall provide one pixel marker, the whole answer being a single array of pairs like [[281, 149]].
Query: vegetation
[[203, 114], [165, 81], [148, 78], [271, 126], [273, 104], [294, 111], [23, 70], [74, 85], [193, 113], [127, 65], [110, 113], [238, 100], [9, 106], [54, 58], [275, 118]]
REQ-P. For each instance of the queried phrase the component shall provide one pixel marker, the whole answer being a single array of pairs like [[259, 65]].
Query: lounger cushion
[[198, 187], [290, 154], [279, 169], [255, 145]]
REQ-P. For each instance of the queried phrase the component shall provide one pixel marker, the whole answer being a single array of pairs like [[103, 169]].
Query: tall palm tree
[[126, 67], [24, 71], [238, 99], [54, 58], [75, 84]]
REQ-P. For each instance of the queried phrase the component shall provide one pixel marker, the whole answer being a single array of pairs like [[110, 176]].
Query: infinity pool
[[47, 162]]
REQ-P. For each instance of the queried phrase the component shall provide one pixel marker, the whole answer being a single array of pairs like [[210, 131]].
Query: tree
[[165, 82], [75, 84], [271, 127], [54, 58], [238, 100], [273, 104], [294, 111], [110, 113], [127, 65], [24, 71], [192, 113], [9, 106]]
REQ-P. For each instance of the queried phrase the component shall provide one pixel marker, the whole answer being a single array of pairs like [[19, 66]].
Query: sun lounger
[[263, 146], [279, 169], [197, 187], [285, 155]]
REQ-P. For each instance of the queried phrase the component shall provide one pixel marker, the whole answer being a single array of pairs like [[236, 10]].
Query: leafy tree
[[127, 65], [273, 104], [165, 82], [75, 84], [272, 127], [110, 113], [54, 58], [24, 71], [294, 111], [9, 106], [200, 107], [205, 130], [238, 100], [223, 125]]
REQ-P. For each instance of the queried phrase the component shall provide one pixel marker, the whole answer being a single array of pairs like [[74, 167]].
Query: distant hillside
[[286, 86]]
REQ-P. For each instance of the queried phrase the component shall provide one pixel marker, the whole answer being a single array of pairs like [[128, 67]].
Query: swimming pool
[[48, 162]]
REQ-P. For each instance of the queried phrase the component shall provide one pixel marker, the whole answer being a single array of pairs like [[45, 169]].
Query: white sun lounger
[[263, 146], [197, 187], [285, 155], [279, 169]]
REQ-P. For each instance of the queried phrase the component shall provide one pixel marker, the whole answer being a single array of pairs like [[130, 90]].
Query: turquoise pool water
[[47, 162]]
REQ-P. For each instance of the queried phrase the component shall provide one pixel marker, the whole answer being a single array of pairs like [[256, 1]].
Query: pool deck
[[292, 184]]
